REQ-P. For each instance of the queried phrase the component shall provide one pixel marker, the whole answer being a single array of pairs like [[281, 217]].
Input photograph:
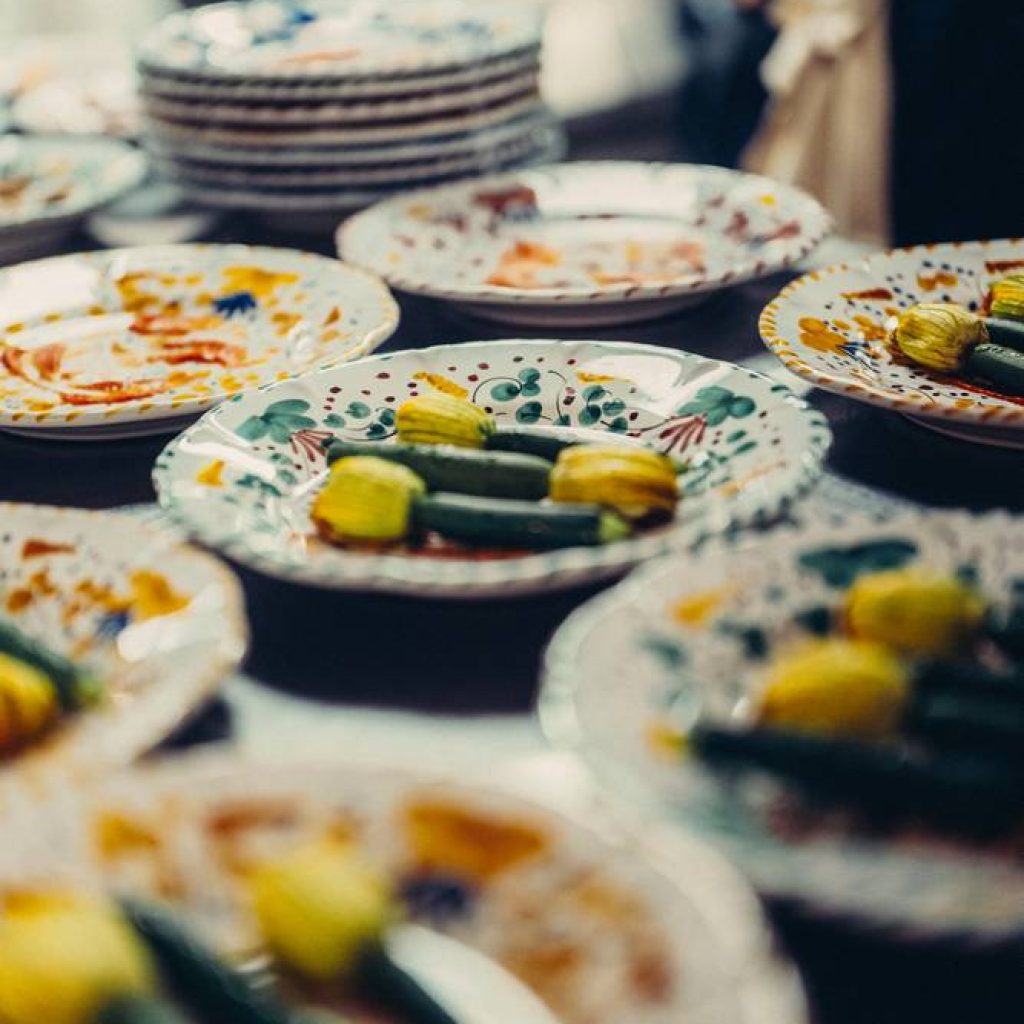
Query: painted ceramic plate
[[344, 113], [103, 102], [242, 479], [631, 669], [279, 39], [176, 85], [293, 159], [48, 184], [598, 928], [830, 328], [132, 338], [586, 243], [159, 623]]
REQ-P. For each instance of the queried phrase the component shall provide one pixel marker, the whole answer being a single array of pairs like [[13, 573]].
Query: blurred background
[[898, 114]]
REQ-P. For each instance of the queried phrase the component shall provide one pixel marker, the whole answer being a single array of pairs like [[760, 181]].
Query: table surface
[[482, 658]]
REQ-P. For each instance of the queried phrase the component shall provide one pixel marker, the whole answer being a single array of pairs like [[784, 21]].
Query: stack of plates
[[329, 105]]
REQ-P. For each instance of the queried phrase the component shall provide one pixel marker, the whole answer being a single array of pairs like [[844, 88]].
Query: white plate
[[159, 623], [137, 336], [830, 328], [416, 151], [628, 672], [473, 162], [51, 180], [102, 102], [586, 242], [600, 926], [304, 90], [278, 40], [320, 210], [342, 114], [171, 132], [241, 480]]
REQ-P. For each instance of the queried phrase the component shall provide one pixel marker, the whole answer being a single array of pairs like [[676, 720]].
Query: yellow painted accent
[[697, 609], [211, 474]]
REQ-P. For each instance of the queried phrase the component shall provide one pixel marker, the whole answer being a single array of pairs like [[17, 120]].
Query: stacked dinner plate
[[329, 105]]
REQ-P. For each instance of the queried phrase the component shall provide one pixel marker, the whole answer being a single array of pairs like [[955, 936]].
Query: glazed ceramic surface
[[582, 236], [831, 328], [280, 39], [242, 479], [101, 102], [140, 336], [583, 918], [628, 673], [160, 624], [44, 180]]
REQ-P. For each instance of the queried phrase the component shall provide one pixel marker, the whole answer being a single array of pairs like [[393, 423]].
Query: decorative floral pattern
[[160, 626], [151, 333], [691, 636], [337, 38], [243, 478], [831, 327], [578, 233], [596, 931]]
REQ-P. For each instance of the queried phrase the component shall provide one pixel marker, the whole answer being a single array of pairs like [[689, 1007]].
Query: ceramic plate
[[416, 151], [830, 328], [350, 178], [586, 243], [440, 126], [242, 479], [631, 669], [46, 182], [175, 85], [279, 39], [140, 336], [594, 924], [160, 624], [327, 113], [101, 103]]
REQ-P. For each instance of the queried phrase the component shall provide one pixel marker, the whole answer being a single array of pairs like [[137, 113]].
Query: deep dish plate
[[602, 928], [242, 479], [830, 328], [629, 671], [161, 624], [585, 243], [128, 339]]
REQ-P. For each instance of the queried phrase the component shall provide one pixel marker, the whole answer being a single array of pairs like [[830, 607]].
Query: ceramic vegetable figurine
[[915, 611], [850, 687], [370, 499], [37, 686], [69, 959], [635, 482], [324, 914], [948, 338]]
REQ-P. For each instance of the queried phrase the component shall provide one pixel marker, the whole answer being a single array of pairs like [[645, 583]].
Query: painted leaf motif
[[286, 407], [505, 391], [589, 415], [529, 412], [358, 410], [334, 420], [252, 429], [530, 378], [839, 567]]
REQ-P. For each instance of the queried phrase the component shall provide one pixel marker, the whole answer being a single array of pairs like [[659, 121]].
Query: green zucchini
[[954, 719], [969, 678], [75, 687], [1006, 630], [213, 989], [1008, 333], [493, 522], [462, 470], [968, 793], [1000, 366], [138, 1010], [545, 442]]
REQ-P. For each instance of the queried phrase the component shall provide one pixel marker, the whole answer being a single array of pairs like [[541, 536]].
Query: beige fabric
[[828, 121]]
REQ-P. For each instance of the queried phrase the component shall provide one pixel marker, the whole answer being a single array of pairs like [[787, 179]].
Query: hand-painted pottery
[[104, 102], [628, 673], [159, 624], [831, 327], [603, 934], [338, 39], [127, 339], [242, 479], [585, 243], [49, 184]]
